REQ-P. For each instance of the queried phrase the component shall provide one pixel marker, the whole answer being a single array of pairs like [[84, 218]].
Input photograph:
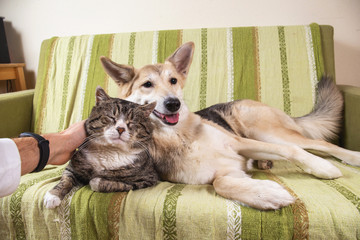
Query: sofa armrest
[[15, 112], [350, 138]]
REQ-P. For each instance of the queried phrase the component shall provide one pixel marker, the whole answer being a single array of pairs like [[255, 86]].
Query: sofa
[[277, 65]]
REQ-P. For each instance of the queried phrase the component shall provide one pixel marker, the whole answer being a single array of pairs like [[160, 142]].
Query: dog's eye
[[148, 84], [173, 81]]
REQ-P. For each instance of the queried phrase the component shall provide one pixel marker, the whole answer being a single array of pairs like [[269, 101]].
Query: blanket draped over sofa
[[278, 65]]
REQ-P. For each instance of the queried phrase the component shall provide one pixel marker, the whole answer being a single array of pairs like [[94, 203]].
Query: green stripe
[[284, 70], [45, 62], [203, 74], [89, 214], [244, 47], [96, 75], [266, 224], [15, 201], [169, 211], [132, 48], [300, 219], [66, 83], [327, 46], [353, 198], [316, 38], [167, 44]]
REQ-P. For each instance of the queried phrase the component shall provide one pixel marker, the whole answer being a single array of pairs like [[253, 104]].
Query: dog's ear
[[120, 73], [182, 57], [100, 95]]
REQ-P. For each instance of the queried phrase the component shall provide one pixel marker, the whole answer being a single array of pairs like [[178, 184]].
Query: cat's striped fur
[[115, 155]]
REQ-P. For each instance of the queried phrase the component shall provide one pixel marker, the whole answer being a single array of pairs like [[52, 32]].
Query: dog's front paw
[[95, 184], [51, 201], [272, 196]]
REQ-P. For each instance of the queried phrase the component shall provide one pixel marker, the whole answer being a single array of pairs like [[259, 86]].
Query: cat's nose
[[120, 130]]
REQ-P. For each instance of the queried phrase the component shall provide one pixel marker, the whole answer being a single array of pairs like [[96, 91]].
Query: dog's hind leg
[[310, 163], [286, 137], [260, 194]]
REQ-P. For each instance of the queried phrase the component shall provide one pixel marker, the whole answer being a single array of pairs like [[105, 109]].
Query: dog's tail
[[324, 121]]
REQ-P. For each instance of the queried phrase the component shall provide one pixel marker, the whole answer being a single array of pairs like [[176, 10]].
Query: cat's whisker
[[86, 142], [144, 147]]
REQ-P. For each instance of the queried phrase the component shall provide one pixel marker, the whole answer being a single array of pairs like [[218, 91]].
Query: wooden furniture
[[14, 71]]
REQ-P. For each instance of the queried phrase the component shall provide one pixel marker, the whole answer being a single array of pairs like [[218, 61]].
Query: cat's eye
[[107, 119], [148, 84], [129, 125], [173, 81]]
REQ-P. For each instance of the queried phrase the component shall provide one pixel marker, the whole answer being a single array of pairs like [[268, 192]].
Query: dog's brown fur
[[214, 145]]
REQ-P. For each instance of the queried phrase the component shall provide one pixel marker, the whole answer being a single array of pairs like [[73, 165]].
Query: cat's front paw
[[51, 201], [95, 184]]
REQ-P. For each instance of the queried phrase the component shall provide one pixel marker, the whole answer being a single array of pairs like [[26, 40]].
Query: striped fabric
[[276, 65], [279, 66]]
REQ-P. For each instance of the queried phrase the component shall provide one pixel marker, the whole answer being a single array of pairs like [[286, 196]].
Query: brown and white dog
[[213, 145]]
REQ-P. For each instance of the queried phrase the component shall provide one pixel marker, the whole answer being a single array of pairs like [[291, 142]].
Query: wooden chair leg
[[20, 83]]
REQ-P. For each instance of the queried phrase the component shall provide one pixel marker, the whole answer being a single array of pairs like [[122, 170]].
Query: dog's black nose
[[172, 104]]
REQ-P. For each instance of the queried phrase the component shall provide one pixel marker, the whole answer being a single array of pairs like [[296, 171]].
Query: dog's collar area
[[169, 119]]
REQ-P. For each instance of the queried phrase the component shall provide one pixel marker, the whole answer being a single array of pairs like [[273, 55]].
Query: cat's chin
[[118, 142]]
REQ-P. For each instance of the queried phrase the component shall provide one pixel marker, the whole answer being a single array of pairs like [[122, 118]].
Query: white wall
[[31, 21]]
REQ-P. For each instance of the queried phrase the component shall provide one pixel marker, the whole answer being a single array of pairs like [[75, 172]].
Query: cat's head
[[118, 122]]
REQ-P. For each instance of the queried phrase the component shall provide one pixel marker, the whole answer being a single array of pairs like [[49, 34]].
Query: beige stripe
[[155, 47], [84, 76], [57, 71], [217, 71], [300, 85], [119, 54], [270, 67], [312, 64], [230, 64], [192, 86], [143, 49], [40, 125], [201, 199], [74, 92], [107, 78]]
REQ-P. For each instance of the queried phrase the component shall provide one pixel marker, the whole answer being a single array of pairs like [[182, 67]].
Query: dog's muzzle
[[172, 105]]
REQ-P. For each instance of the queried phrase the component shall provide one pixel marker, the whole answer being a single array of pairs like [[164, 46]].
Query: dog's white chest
[[209, 153]]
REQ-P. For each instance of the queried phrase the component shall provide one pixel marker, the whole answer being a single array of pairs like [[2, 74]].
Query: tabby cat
[[114, 156]]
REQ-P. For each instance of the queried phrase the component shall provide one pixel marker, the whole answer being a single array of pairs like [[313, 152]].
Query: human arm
[[61, 145]]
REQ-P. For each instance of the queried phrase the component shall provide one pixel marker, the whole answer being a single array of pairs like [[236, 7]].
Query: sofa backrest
[[277, 65]]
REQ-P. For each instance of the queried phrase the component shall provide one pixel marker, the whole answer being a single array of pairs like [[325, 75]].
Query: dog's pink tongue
[[172, 118]]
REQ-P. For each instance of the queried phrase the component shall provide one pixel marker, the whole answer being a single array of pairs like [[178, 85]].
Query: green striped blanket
[[276, 65]]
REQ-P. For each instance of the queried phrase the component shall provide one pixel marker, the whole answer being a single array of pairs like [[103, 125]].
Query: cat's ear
[[101, 95], [148, 108], [120, 73]]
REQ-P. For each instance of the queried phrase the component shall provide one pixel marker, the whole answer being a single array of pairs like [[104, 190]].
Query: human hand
[[63, 144]]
